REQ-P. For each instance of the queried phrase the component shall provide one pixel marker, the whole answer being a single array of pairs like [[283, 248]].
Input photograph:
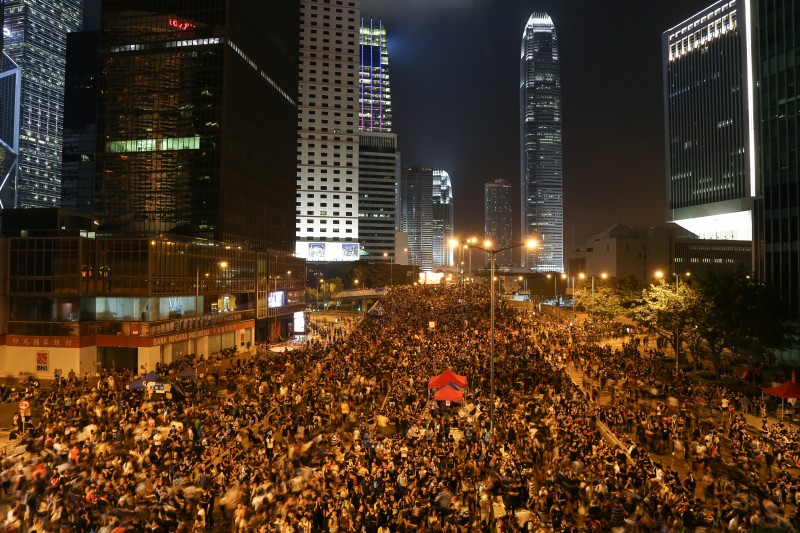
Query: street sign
[[24, 405]]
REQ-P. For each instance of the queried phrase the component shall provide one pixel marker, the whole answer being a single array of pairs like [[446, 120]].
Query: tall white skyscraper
[[35, 38], [442, 227], [542, 191], [328, 131]]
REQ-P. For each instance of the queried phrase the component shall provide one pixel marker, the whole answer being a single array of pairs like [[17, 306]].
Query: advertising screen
[[299, 322], [328, 251], [276, 299]]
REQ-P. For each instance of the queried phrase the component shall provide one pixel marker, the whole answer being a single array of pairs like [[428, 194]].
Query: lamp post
[[487, 247], [222, 265], [391, 268], [555, 283]]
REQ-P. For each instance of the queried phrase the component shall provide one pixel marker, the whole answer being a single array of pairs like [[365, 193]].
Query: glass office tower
[[498, 218], [10, 97], [416, 213], [35, 38], [541, 189], [710, 130], [780, 168], [197, 119]]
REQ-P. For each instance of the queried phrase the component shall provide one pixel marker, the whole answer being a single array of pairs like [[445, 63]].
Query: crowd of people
[[341, 434]]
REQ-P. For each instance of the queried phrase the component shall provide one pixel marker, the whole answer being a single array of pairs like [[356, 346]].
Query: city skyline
[[613, 144], [613, 115]]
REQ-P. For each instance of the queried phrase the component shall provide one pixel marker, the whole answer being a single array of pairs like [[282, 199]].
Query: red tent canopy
[[449, 394], [446, 377], [787, 390]]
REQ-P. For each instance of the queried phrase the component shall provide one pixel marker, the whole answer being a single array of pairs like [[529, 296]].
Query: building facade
[[416, 214], [541, 191], [79, 301], [327, 210], [710, 122], [498, 219], [623, 251], [442, 223], [378, 167], [779, 236], [197, 120], [35, 38]]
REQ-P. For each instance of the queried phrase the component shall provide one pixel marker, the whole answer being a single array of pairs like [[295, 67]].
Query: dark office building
[[498, 218], [416, 214], [80, 122], [197, 119], [780, 169]]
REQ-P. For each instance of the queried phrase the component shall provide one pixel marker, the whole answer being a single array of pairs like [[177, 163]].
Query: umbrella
[[189, 373]]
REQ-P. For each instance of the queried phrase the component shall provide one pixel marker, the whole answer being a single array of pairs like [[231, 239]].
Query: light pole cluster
[[555, 283], [487, 247], [603, 276]]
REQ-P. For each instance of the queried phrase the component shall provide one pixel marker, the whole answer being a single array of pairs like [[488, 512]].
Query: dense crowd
[[341, 434]]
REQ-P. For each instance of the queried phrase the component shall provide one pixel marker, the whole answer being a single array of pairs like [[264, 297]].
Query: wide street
[[342, 434]]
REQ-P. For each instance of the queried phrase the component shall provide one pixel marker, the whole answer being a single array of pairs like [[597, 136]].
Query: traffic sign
[[24, 405]]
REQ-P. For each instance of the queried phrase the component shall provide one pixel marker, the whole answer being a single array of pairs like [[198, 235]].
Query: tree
[[667, 311], [629, 290], [734, 310], [602, 303]]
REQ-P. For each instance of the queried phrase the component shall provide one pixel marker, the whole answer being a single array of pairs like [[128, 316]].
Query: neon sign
[[176, 23]]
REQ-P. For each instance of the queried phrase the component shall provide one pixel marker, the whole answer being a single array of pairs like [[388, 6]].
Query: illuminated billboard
[[276, 299], [328, 251]]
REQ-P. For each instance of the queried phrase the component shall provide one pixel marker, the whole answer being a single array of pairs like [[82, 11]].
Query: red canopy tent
[[787, 390], [449, 394], [446, 377]]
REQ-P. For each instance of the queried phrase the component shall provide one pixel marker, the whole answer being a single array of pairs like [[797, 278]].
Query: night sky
[[455, 81]]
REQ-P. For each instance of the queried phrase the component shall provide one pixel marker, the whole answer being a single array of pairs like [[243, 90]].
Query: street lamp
[[487, 247], [391, 268], [221, 264]]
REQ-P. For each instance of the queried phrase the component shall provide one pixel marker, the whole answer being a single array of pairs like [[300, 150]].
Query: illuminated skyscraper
[[10, 87], [498, 218], [540, 145], [442, 221], [710, 126], [375, 112], [378, 157], [35, 38]]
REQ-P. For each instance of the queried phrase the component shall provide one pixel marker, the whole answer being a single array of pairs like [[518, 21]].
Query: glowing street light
[[530, 244]]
